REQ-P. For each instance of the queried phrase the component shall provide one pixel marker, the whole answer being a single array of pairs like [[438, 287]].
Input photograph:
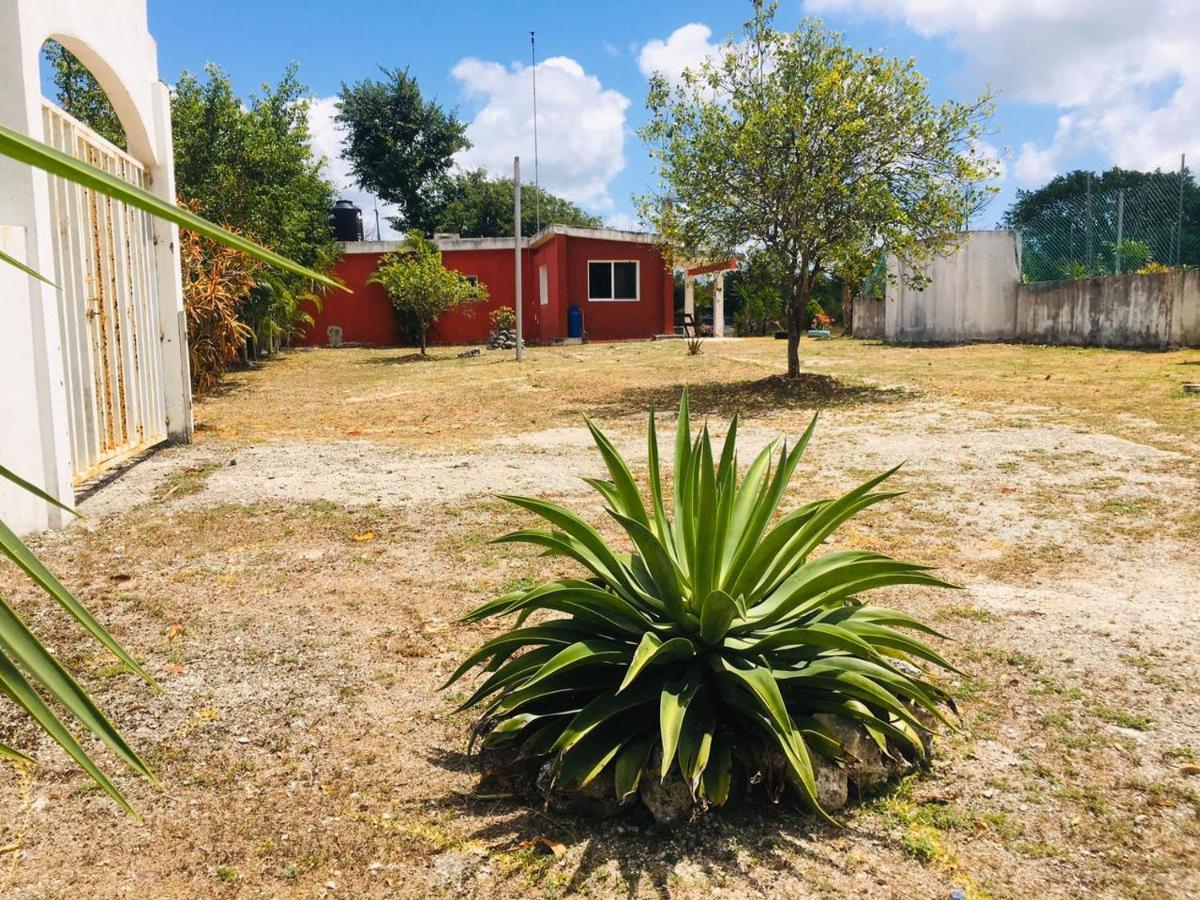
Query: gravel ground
[[297, 600]]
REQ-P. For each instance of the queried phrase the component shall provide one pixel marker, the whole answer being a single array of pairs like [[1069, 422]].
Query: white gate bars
[[104, 258]]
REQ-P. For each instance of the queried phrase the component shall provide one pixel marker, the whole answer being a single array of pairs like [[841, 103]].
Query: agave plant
[[716, 639]]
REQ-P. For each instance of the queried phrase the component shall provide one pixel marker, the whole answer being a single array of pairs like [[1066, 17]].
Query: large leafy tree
[[810, 155], [399, 145], [77, 91], [420, 287], [474, 205], [249, 164]]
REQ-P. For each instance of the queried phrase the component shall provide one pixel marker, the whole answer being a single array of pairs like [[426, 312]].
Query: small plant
[[420, 287], [715, 645], [503, 319], [693, 345]]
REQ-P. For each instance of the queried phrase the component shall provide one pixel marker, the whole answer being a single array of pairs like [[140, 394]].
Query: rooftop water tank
[[346, 221]]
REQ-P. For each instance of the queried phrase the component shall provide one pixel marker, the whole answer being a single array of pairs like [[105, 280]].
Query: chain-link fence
[[1092, 229]]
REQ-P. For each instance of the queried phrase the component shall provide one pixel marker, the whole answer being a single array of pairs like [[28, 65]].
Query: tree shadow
[[399, 358], [751, 396]]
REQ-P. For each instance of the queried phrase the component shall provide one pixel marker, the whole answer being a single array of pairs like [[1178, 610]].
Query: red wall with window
[[366, 316], [614, 320]]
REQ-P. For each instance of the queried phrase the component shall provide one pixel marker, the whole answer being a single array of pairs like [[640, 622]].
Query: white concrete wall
[[112, 40], [971, 296], [1142, 311]]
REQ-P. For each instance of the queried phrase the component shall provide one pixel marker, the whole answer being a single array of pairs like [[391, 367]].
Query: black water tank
[[346, 221]]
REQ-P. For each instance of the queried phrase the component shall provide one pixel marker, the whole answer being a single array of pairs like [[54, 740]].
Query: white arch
[[110, 37]]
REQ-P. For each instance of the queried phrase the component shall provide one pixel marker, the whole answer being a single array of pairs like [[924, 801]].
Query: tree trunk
[[794, 315], [423, 353]]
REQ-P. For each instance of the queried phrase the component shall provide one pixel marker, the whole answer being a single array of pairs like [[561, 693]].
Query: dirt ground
[[293, 579]]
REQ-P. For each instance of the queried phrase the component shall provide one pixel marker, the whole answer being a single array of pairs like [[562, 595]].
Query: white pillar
[[39, 444], [172, 319], [689, 297], [719, 304]]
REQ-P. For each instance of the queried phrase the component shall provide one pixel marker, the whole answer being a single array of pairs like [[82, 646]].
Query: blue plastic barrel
[[574, 322]]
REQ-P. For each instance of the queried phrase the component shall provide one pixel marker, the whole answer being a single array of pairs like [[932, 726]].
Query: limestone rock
[[669, 800], [832, 783], [866, 766]]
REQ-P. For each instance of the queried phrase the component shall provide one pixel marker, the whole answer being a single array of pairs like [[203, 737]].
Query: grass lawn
[[294, 578]]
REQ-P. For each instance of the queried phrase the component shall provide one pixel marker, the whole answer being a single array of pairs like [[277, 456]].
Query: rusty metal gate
[[104, 258]]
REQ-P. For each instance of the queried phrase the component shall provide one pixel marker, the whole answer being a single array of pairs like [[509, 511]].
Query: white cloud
[[581, 126], [610, 48], [326, 141], [685, 48], [1128, 78], [623, 222]]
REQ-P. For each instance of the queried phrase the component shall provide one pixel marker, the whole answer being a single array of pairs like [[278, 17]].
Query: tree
[[809, 155], [474, 205], [420, 287], [400, 146], [78, 92], [250, 165]]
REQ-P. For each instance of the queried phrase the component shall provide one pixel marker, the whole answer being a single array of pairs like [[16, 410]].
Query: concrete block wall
[[868, 318], [1138, 311]]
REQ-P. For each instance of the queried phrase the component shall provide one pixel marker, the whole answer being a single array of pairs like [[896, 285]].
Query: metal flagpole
[[517, 251], [537, 200]]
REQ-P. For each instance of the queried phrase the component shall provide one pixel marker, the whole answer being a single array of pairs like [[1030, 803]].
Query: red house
[[618, 279]]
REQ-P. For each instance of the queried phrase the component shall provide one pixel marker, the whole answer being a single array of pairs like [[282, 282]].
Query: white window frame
[[613, 281]]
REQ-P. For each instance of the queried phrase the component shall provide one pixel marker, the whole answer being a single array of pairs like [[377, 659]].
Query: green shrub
[[717, 639]]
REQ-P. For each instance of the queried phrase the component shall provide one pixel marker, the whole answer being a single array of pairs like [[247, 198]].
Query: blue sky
[[1082, 83]]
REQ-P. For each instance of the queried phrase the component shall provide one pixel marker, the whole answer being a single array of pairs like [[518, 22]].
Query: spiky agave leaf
[[716, 639], [27, 667]]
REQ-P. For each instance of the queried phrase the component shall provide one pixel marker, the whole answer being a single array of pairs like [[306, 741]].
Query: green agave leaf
[[695, 740], [673, 705], [20, 644], [25, 149], [509, 674], [600, 710], [716, 613], [12, 547], [581, 531], [881, 615], [19, 690], [629, 765], [703, 567], [16, 263], [14, 756], [653, 650], [659, 562], [628, 497], [32, 488], [557, 632], [581, 653], [717, 776], [566, 683], [662, 525], [588, 758]]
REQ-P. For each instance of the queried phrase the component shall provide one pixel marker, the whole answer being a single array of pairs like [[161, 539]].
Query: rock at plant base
[[866, 765], [597, 799], [832, 782], [669, 800]]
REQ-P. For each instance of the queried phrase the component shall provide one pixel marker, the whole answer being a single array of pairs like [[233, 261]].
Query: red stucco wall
[[366, 315], [619, 320]]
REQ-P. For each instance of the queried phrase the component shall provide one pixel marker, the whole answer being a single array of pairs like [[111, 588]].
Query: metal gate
[[104, 259]]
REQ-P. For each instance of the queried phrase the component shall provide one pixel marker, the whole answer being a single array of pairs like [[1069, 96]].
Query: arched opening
[[71, 86]]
